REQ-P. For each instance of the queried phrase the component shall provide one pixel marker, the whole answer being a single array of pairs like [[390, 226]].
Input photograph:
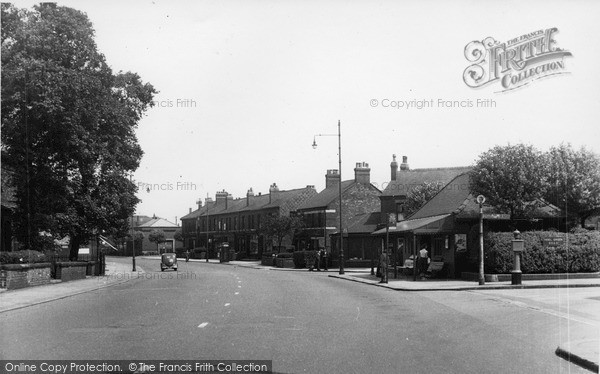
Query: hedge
[[22, 257], [579, 254]]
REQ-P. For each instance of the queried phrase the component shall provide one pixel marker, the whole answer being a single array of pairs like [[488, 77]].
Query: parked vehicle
[[168, 261]]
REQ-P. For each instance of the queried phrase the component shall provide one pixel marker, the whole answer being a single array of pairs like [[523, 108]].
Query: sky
[[245, 85]]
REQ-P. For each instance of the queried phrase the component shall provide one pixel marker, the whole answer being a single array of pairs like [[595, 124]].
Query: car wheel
[[162, 269]]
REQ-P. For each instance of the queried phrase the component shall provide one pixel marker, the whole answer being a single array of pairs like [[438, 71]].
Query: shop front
[[436, 239]]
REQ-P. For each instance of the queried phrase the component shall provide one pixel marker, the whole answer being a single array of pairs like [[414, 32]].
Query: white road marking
[[203, 325], [237, 293], [227, 304]]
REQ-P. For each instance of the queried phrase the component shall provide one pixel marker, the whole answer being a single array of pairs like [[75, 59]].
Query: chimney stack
[[249, 196], [190, 210], [404, 166], [362, 173], [199, 203], [221, 198], [273, 193], [332, 178], [394, 167]]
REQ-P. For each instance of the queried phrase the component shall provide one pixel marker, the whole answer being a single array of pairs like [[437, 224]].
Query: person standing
[[324, 259], [318, 259], [423, 261]]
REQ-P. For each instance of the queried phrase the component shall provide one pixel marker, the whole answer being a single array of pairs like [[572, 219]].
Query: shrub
[[285, 255], [22, 257], [580, 253]]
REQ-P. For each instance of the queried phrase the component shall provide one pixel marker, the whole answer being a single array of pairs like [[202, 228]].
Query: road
[[305, 322]]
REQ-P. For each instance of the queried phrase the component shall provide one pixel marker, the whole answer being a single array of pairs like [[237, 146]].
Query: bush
[[285, 255], [22, 257], [581, 253]]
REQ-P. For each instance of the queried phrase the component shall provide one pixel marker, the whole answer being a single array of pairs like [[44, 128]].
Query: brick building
[[321, 213], [161, 224], [238, 221]]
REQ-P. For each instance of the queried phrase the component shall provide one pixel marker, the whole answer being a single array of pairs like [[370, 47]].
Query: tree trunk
[[74, 242]]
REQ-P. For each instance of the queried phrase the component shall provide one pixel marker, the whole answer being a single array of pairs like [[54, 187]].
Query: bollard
[[517, 246]]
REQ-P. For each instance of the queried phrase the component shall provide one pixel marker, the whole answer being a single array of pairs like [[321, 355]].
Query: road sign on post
[[481, 200]]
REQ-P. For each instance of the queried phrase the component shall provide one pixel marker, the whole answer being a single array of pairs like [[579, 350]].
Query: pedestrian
[[324, 259], [384, 266], [318, 259], [423, 261]]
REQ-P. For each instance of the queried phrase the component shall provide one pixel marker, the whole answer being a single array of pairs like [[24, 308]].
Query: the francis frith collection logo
[[516, 62]]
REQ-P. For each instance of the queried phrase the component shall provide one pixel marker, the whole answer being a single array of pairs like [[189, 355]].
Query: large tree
[[68, 126], [573, 181], [512, 178]]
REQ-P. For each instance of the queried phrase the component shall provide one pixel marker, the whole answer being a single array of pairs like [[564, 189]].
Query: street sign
[[554, 243]]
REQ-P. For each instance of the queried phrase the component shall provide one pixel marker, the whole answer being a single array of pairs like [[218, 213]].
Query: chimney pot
[[404, 165], [362, 173], [394, 168], [332, 178]]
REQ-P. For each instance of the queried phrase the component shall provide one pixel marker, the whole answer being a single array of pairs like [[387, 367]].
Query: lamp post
[[340, 230], [207, 227], [481, 200], [132, 235]]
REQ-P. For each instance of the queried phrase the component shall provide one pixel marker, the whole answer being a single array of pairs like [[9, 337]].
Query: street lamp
[[132, 235], [207, 227], [314, 145]]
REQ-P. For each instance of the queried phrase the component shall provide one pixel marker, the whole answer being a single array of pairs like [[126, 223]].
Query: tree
[[157, 236], [573, 181], [68, 126], [280, 227], [178, 236], [510, 177], [419, 195]]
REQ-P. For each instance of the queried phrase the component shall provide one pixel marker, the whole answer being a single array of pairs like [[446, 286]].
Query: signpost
[[480, 201]]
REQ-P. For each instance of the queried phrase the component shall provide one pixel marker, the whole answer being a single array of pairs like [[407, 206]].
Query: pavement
[[115, 273], [585, 353]]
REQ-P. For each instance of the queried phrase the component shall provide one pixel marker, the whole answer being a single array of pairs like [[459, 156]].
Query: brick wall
[[358, 199], [67, 271], [25, 275]]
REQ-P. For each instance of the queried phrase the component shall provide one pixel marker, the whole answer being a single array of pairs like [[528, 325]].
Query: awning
[[428, 225]]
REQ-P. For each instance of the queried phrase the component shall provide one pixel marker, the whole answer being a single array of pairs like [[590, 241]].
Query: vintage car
[[168, 261]]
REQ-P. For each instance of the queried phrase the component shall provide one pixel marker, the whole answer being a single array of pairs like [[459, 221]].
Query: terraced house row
[[444, 225]]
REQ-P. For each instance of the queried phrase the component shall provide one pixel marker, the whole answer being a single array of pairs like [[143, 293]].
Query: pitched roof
[[256, 202], [456, 198], [158, 222], [406, 180], [364, 223], [453, 197], [326, 197]]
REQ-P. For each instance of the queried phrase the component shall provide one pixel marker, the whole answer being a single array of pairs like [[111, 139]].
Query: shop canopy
[[428, 225]]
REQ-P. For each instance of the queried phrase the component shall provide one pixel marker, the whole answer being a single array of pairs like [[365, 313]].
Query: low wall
[[267, 261], [284, 262], [67, 271], [13, 276], [507, 277]]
